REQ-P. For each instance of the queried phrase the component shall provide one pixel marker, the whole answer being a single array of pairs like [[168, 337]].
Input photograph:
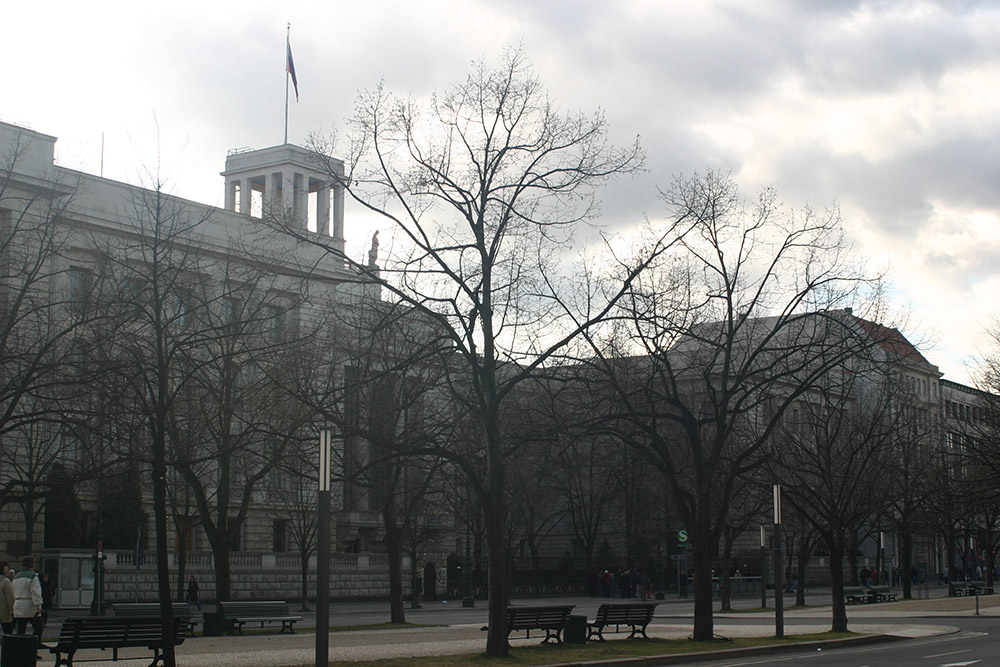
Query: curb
[[712, 656]]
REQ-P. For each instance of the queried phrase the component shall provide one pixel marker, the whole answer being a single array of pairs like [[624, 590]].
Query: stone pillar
[[245, 197], [288, 195], [338, 218], [301, 201], [231, 195], [272, 201], [323, 211]]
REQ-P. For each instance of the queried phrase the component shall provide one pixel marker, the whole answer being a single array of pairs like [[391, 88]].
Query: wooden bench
[[857, 595], [979, 587], [114, 632], [181, 610], [635, 615], [552, 619], [962, 588], [276, 611], [883, 594]]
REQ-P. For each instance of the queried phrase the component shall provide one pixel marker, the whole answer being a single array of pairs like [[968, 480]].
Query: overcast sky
[[890, 110]]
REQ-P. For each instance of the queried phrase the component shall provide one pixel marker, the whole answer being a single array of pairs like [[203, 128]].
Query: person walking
[[6, 603], [27, 598], [192, 592]]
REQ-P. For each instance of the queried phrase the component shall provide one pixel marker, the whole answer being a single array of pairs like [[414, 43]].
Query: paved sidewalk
[[452, 636]]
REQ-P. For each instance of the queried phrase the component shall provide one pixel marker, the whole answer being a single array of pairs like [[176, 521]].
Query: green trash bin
[[575, 631], [18, 650], [215, 624]]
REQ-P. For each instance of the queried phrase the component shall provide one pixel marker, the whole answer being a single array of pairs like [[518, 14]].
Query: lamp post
[[763, 556], [881, 554], [97, 604], [469, 600], [779, 602], [323, 552]]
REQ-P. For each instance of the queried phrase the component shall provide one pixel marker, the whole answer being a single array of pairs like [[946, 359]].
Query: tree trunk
[[837, 585], [162, 563], [181, 562], [29, 523], [394, 552], [802, 562], [220, 554], [704, 629], [305, 582], [496, 640], [906, 558], [852, 558]]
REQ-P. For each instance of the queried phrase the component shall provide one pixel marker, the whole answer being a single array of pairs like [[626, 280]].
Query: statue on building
[[373, 252]]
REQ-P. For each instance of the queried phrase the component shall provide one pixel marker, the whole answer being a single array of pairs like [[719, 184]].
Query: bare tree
[[831, 455], [482, 190], [48, 321], [721, 340]]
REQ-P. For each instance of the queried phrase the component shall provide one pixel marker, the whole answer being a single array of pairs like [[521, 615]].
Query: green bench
[[237, 613], [552, 619], [114, 632], [634, 615], [181, 610]]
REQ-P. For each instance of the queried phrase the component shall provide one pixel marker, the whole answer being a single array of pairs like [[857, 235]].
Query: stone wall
[[257, 576]]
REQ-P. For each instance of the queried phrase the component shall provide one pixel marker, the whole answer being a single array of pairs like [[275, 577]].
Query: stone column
[[301, 201], [231, 195], [288, 195], [323, 211], [245, 189], [338, 218], [272, 202]]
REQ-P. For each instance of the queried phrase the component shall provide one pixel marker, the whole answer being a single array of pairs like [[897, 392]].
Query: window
[[184, 535], [135, 295], [236, 543], [279, 530], [274, 326], [182, 307], [78, 283], [232, 309]]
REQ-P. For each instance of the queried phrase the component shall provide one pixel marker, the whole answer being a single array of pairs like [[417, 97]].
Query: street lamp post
[[779, 602], [323, 552], [763, 556]]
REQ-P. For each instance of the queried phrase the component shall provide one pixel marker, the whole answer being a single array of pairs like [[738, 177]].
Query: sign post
[[779, 584]]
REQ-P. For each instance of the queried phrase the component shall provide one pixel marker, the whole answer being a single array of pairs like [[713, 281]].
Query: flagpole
[[288, 45]]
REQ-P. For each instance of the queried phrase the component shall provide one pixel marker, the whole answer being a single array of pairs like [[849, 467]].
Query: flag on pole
[[290, 67]]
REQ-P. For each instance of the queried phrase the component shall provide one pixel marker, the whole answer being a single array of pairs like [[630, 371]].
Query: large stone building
[[84, 258]]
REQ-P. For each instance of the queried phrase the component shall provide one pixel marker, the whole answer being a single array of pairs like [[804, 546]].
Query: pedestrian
[[48, 593], [192, 592], [28, 599], [6, 601]]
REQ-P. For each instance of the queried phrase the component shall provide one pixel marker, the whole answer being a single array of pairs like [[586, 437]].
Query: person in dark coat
[[192, 592]]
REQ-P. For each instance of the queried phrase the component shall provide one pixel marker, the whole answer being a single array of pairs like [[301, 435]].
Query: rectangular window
[[236, 543], [279, 530], [232, 309], [275, 324], [182, 308], [78, 283]]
